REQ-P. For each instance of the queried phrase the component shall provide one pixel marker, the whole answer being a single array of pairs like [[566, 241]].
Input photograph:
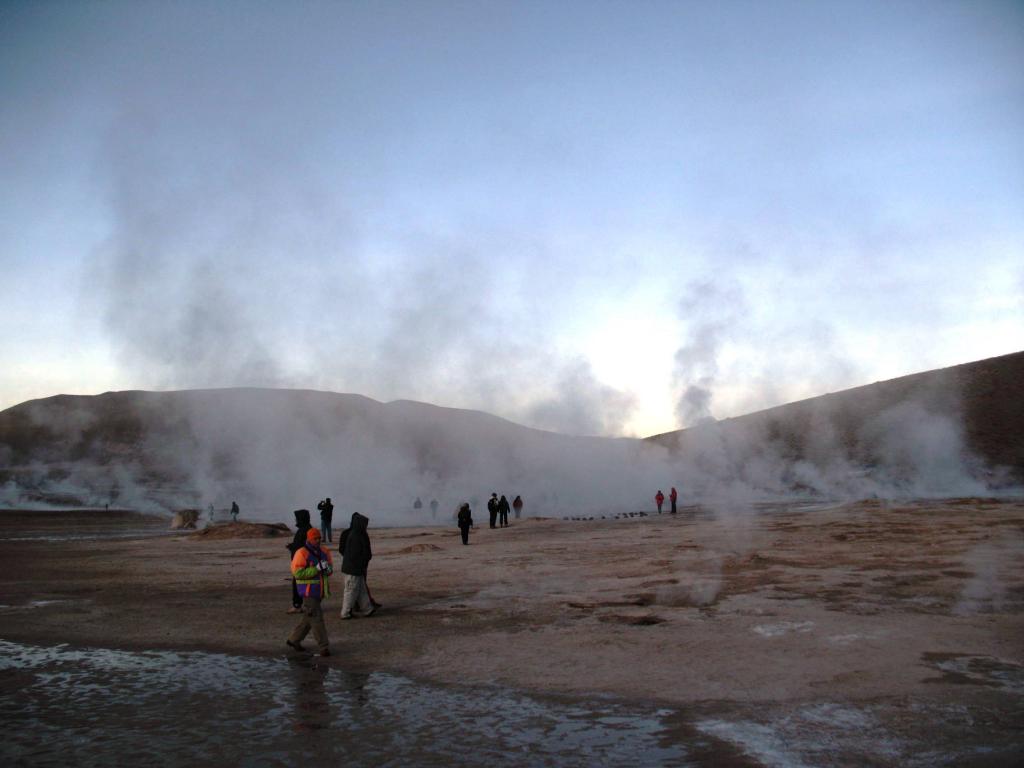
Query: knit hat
[[313, 534]]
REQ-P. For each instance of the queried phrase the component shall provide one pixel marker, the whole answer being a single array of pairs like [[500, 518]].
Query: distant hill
[[286, 449], [956, 431], [984, 401]]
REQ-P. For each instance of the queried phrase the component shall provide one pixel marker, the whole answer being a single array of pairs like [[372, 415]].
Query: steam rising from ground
[[277, 450]]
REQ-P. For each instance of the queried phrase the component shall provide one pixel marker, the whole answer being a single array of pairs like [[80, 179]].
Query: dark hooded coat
[[302, 525], [355, 549]]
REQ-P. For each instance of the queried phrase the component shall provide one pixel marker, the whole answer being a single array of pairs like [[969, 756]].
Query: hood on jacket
[[358, 522], [302, 518]]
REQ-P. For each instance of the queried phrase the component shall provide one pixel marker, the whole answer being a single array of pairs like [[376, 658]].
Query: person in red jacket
[[672, 496], [659, 499], [312, 568]]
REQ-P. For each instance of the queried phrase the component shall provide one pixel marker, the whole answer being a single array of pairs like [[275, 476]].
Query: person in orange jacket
[[312, 568], [660, 499], [672, 496]]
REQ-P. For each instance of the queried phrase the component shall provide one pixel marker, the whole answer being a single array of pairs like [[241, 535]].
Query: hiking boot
[[297, 646], [346, 615], [325, 652], [293, 609]]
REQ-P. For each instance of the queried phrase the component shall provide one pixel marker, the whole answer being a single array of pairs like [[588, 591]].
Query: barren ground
[[897, 628]]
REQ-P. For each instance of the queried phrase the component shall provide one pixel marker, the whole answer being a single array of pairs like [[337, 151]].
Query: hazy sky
[[594, 217]]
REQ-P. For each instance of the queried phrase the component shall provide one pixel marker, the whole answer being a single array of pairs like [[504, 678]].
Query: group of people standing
[[499, 509], [659, 499], [312, 564], [312, 567]]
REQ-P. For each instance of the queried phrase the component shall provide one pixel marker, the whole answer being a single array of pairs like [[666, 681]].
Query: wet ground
[[79, 525], [109, 707], [97, 707]]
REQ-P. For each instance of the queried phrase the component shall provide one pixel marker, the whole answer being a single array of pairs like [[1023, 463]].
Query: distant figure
[[517, 506], [417, 504], [503, 511], [659, 499], [355, 559], [302, 527], [209, 510], [672, 496], [312, 568], [234, 511], [326, 517], [465, 522], [433, 509], [492, 508]]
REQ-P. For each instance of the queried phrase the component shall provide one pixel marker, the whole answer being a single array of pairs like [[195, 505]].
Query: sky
[[602, 218]]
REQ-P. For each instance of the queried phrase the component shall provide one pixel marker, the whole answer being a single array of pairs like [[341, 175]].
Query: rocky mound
[[242, 531]]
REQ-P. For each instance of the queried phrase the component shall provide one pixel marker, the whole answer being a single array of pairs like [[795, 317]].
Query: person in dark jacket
[[302, 526], [354, 560], [517, 506], [326, 517], [492, 508], [433, 509], [503, 509], [341, 551], [465, 522], [234, 511]]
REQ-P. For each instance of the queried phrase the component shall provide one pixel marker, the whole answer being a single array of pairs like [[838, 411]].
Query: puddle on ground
[[159, 707], [976, 669]]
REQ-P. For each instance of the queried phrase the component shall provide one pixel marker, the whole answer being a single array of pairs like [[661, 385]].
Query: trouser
[[673, 506], [325, 529], [659, 509], [503, 519], [494, 517], [296, 600], [312, 618], [464, 529], [517, 510], [356, 596]]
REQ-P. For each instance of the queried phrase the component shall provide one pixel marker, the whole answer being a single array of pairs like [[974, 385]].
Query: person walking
[[503, 511], [517, 506], [302, 527], [326, 518], [465, 522], [659, 499], [672, 496], [342, 540], [234, 511], [492, 508], [355, 559], [312, 568], [433, 509]]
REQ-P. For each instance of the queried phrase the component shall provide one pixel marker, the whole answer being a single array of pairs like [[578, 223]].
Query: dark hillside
[[985, 398]]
